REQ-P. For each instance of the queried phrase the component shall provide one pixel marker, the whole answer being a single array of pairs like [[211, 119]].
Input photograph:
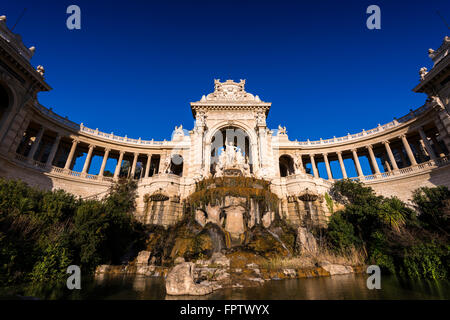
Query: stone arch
[[176, 164], [286, 163], [241, 138]]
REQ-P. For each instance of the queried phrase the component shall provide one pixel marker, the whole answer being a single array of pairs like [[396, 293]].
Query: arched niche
[[286, 165], [235, 135], [176, 165]]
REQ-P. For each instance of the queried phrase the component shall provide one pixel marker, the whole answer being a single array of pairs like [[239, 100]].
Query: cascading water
[[279, 240]]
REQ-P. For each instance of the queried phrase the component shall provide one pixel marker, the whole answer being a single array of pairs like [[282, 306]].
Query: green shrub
[[394, 237], [43, 232], [427, 260], [340, 234], [433, 205]]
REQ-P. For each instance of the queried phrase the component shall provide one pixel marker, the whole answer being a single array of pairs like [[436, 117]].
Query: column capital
[[385, 142], [91, 146], [401, 136], [370, 146], [121, 152], [75, 140], [312, 154], [325, 154], [339, 152], [354, 150], [107, 149], [136, 154]]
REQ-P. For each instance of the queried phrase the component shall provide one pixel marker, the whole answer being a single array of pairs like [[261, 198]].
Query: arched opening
[[176, 165], [4, 102], [286, 165], [235, 136]]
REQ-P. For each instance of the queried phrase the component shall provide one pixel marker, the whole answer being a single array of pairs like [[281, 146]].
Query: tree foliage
[[393, 236], [43, 232]]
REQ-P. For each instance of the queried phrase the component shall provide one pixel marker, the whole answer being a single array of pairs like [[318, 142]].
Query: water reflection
[[344, 287]]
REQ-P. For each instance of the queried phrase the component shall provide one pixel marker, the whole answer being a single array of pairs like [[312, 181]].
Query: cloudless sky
[[135, 65]]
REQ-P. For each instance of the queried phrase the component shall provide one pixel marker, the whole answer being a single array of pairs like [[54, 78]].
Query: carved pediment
[[230, 91]]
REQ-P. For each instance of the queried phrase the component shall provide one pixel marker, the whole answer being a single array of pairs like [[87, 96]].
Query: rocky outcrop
[[305, 242], [334, 269], [220, 260], [143, 258], [180, 281], [178, 260]]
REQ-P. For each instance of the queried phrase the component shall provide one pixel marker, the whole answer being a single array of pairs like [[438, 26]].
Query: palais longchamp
[[230, 138]]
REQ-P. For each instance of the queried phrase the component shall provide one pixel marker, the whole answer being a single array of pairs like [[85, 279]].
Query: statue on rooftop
[[281, 130], [423, 71]]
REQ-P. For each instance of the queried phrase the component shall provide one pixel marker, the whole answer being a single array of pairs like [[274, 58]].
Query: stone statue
[[423, 71], [281, 130], [179, 130], [40, 69], [167, 164], [233, 159], [298, 164]]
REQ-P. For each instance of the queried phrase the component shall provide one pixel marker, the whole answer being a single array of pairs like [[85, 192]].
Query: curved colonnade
[[49, 151], [410, 148]]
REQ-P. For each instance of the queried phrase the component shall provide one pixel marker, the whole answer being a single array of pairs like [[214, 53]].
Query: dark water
[[337, 287]]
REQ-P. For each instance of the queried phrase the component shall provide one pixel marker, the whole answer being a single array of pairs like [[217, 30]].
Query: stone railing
[[350, 137], [15, 40], [424, 166], [65, 121], [82, 128]]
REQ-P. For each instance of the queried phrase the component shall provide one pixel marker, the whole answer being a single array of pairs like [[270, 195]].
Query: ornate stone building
[[230, 137]]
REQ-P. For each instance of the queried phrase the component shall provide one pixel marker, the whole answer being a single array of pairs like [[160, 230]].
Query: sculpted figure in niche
[[167, 164], [298, 164]]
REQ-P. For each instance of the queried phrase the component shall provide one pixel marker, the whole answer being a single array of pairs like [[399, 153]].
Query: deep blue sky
[[134, 66]]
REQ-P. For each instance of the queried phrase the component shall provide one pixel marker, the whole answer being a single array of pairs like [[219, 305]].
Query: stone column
[[36, 143], [327, 165], [424, 138], [255, 157], [373, 160], [119, 165], [313, 165], [408, 150], [133, 167], [71, 154], [391, 155], [147, 167], [52, 154], [438, 147], [87, 162], [387, 166], [105, 159], [262, 145], [357, 164], [341, 163]]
